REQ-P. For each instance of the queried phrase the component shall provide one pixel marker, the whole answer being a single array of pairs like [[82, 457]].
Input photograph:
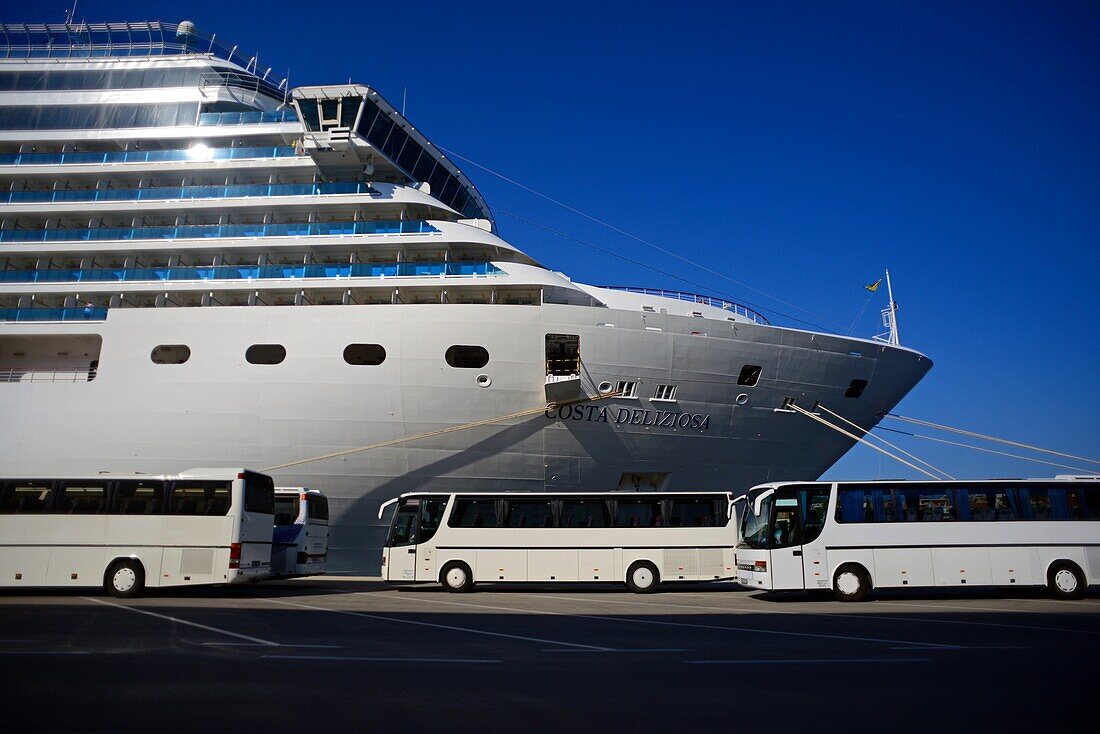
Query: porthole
[[605, 387], [743, 399], [466, 356], [365, 354], [170, 354], [265, 354], [484, 381]]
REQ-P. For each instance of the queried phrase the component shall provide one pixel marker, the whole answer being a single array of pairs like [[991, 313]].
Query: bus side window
[[141, 497], [22, 496], [692, 512], [431, 514], [474, 513], [638, 513], [199, 498], [77, 497], [529, 514], [584, 514]]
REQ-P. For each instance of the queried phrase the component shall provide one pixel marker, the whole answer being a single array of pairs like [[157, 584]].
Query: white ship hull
[[217, 409]]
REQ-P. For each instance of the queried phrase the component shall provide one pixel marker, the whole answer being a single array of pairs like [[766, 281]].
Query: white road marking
[[45, 652], [808, 661], [256, 644], [861, 617], [627, 649], [377, 660], [398, 620], [970, 647], [177, 620], [745, 629]]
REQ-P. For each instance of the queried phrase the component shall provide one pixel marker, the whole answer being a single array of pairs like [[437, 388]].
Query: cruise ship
[[200, 266]]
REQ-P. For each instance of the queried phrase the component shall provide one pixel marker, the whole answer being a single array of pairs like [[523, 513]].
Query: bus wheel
[[1066, 581], [457, 577], [642, 577], [125, 579], [851, 584]]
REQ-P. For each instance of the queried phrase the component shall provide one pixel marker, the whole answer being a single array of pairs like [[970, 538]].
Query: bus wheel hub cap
[[642, 577], [848, 583], [1065, 580], [456, 576], [124, 579]]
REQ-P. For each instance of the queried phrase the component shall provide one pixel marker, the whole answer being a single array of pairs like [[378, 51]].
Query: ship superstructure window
[[855, 388], [170, 354], [750, 375], [365, 354], [466, 356], [265, 354], [79, 117], [627, 388], [665, 392]]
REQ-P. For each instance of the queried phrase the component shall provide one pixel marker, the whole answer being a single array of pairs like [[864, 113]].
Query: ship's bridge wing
[[351, 130]]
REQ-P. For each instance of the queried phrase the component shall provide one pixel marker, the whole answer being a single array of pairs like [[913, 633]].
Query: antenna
[[890, 313], [404, 97]]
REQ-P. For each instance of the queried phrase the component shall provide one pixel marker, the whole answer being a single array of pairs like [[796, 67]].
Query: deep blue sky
[[798, 148]]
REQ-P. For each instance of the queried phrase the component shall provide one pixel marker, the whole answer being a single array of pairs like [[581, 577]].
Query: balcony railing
[[204, 231], [186, 192], [145, 156], [88, 313], [252, 272], [721, 303], [17, 375], [246, 118]]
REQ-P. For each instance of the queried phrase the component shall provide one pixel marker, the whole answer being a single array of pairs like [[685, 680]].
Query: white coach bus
[[855, 537], [300, 543], [126, 532], [641, 539]]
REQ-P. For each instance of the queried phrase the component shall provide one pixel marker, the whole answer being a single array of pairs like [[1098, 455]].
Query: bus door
[[786, 541], [257, 520], [401, 544]]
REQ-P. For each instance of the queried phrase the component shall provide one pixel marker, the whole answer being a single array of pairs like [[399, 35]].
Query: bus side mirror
[[760, 500]]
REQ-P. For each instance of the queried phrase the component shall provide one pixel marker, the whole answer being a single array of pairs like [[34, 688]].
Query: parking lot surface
[[341, 654]]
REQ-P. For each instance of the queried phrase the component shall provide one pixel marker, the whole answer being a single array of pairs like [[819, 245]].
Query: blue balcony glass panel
[[53, 314]]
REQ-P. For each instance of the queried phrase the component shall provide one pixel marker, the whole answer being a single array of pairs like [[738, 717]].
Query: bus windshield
[[754, 527]]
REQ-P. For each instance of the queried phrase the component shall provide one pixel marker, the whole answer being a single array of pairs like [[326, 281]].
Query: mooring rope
[[854, 437], [441, 431], [867, 432], [986, 450], [994, 439]]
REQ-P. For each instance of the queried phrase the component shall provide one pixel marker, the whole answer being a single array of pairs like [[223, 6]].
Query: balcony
[[721, 303], [145, 156], [204, 231], [252, 272], [186, 192], [246, 118], [88, 313]]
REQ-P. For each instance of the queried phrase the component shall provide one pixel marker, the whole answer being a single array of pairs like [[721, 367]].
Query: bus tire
[[456, 577], [125, 579], [1065, 580], [642, 577], [851, 583]]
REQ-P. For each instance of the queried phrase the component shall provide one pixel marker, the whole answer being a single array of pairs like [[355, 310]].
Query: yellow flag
[[874, 286]]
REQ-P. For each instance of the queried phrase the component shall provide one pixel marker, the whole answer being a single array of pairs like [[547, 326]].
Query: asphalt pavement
[[335, 654]]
